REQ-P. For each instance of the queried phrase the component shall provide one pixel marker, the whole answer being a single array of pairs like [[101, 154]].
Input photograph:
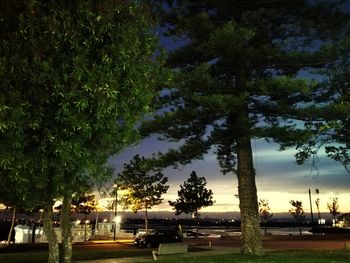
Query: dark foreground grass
[[81, 255], [285, 257], [138, 256]]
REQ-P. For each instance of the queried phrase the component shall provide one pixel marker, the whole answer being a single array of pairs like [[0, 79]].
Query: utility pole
[[318, 209], [312, 214], [115, 211]]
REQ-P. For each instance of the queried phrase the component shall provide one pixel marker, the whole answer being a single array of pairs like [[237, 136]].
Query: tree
[[317, 202], [297, 212], [13, 200], [193, 195], [264, 211], [331, 129], [76, 77], [84, 204], [239, 65], [333, 207], [12, 225], [144, 186]]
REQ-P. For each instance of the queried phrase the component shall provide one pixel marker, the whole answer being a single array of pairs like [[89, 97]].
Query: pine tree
[[331, 129], [144, 186], [238, 78], [193, 195]]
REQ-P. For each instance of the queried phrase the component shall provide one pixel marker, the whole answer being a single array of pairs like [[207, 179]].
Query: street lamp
[[117, 221], [115, 210]]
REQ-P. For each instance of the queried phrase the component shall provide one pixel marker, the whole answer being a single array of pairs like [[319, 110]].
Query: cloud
[[278, 177]]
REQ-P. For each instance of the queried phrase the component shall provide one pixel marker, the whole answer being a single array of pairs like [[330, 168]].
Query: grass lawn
[[142, 255], [280, 257]]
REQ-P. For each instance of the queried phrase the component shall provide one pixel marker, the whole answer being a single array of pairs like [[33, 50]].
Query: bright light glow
[[117, 219], [321, 221], [77, 222], [105, 220], [87, 221]]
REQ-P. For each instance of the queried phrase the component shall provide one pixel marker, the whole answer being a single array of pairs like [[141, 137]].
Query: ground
[[123, 250]]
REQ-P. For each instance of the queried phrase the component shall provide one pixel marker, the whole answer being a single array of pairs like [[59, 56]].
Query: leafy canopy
[[76, 77]]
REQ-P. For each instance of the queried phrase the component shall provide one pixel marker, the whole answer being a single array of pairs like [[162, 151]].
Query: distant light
[[77, 222], [105, 220], [321, 221], [87, 221], [117, 219]]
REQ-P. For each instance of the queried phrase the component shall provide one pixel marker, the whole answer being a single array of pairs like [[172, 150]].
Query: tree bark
[[12, 225], [66, 230], [248, 200], [50, 234], [196, 214]]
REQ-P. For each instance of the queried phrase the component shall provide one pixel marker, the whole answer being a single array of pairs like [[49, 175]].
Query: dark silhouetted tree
[[143, 186], [297, 212], [84, 204], [265, 214], [333, 207], [193, 195]]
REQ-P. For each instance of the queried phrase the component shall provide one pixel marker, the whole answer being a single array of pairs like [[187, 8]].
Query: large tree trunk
[[12, 225], [197, 223], [248, 200], [66, 230], [50, 234]]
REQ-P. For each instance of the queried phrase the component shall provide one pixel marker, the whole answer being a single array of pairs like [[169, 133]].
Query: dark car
[[153, 239]]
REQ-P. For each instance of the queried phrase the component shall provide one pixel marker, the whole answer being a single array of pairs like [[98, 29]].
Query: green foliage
[[237, 58], [144, 186], [193, 195], [238, 78], [331, 129], [82, 203], [76, 77]]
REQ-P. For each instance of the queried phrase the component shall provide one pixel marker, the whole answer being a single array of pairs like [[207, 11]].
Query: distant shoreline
[[235, 215]]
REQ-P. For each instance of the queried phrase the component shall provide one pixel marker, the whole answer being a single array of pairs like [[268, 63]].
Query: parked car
[[153, 239]]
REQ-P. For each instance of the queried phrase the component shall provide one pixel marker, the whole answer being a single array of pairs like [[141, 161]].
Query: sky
[[279, 179]]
